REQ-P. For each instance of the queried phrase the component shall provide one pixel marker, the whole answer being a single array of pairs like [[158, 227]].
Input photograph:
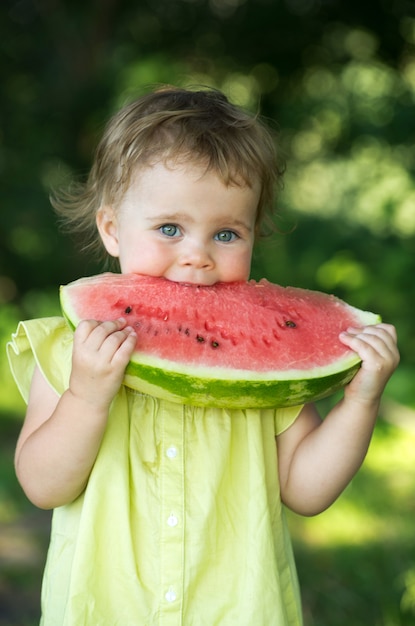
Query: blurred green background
[[337, 80]]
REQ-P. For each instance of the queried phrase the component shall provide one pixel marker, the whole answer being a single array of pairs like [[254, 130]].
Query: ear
[[108, 229]]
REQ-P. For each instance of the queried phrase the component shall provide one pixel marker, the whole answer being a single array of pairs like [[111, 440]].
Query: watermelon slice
[[235, 345]]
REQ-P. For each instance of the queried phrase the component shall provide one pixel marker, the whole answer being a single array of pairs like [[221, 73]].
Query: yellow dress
[[181, 523]]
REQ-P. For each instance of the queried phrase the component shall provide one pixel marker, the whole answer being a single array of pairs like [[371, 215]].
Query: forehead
[[166, 177], [159, 190], [189, 170], [231, 173]]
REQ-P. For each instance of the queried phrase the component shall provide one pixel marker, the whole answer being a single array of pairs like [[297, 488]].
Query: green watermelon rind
[[237, 392]]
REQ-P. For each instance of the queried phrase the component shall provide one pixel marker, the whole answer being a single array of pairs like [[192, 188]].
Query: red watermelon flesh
[[258, 327]]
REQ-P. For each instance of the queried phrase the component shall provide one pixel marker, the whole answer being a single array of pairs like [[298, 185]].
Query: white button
[[171, 452], [172, 520], [170, 595]]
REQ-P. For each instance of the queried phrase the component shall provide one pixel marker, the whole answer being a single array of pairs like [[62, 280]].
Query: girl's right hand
[[101, 352]]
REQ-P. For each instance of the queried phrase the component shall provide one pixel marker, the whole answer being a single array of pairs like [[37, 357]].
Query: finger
[[126, 347], [382, 330], [372, 345], [84, 329], [389, 329], [363, 336], [115, 340], [95, 332]]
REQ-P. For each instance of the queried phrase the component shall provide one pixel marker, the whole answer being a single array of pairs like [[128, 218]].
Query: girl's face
[[184, 224]]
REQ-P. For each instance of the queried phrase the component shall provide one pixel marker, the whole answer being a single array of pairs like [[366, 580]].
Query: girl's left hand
[[377, 347]]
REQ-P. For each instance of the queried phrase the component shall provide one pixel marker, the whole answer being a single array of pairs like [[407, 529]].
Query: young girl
[[170, 514]]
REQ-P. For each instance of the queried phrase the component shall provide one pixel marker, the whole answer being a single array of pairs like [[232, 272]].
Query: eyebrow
[[169, 217]]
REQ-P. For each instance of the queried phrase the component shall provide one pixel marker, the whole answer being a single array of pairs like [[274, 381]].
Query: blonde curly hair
[[175, 126]]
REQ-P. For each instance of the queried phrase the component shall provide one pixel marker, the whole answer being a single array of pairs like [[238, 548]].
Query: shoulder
[[45, 343]]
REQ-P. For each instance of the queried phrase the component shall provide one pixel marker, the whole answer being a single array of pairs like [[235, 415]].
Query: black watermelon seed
[[290, 324], [200, 339], [128, 309]]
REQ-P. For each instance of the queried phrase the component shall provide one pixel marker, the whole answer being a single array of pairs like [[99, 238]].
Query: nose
[[197, 256]]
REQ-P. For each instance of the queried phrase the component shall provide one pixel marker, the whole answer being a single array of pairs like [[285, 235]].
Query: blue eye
[[226, 236], [170, 230]]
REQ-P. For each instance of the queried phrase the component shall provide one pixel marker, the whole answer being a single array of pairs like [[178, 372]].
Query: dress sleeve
[[47, 343], [285, 417]]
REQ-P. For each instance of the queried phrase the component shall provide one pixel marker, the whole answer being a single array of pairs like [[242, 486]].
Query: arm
[[61, 437], [317, 459]]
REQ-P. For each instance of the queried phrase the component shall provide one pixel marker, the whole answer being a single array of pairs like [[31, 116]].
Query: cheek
[[141, 256], [239, 267]]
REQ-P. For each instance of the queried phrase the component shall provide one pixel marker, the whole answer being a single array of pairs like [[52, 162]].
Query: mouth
[[187, 283], [192, 283]]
